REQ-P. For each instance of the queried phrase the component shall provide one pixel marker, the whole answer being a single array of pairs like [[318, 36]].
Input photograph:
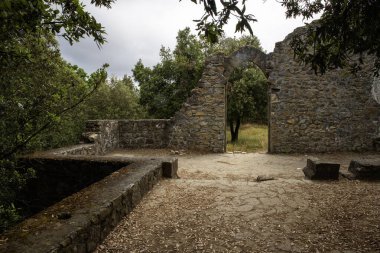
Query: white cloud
[[137, 29]]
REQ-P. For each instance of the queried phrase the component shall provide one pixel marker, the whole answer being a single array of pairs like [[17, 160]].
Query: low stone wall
[[152, 133], [58, 178], [81, 221], [104, 134], [81, 149]]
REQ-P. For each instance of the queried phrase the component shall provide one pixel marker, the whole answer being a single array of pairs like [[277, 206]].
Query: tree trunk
[[234, 130]]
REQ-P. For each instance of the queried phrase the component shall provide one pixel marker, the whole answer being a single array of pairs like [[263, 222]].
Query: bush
[[12, 180]]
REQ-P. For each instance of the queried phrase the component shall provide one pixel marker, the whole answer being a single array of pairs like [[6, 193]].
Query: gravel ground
[[217, 206]]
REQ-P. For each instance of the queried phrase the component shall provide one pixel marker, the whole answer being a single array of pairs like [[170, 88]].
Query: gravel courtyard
[[218, 206]]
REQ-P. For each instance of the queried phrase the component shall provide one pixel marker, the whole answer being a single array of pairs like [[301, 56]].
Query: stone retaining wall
[[81, 221], [81, 149]]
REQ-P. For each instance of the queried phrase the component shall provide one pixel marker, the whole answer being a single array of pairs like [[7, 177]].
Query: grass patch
[[252, 138]]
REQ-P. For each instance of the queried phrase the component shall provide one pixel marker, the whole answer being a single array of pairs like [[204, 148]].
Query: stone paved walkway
[[217, 206]]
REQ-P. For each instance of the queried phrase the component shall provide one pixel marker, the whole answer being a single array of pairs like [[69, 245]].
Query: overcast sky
[[136, 29]]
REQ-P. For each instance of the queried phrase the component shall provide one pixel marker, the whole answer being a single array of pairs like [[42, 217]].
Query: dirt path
[[217, 206]]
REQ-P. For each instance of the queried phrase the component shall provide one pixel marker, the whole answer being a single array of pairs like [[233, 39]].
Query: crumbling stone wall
[[309, 113], [103, 133], [200, 124]]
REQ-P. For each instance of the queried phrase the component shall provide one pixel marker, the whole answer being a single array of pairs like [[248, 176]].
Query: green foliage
[[66, 18], [36, 94], [229, 45], [166, 86], [247, 95], [114, 99], [344, 29], [12, 180], [215, 17], [247, 99]]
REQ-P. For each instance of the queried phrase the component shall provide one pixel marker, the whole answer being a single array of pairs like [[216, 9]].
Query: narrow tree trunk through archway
[[234, 130]]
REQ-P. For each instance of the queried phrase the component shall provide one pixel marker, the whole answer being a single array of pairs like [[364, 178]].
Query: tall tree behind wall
[[165, 86], [246, 87]]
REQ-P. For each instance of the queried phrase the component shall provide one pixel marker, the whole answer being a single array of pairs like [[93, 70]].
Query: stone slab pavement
[[218, 206]]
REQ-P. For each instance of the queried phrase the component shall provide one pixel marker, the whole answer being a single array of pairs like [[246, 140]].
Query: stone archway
[[307, 113], [244, 57], [201, 122]]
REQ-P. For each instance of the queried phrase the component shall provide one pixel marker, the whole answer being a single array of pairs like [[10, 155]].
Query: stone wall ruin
[[307, 113]]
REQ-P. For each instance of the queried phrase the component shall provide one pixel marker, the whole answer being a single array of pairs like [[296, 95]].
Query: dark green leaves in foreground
[[346, 28], [218, 13], [66, 18]]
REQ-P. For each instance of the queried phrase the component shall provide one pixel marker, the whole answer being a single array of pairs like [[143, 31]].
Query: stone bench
[[321, 170], [365, 169]]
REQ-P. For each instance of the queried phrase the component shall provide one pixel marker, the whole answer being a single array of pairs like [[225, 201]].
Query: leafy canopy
[[217, 15], [165, 86], [345, 28], [66, 18]]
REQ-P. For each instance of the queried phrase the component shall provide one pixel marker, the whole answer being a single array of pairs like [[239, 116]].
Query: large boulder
[[318, 170]]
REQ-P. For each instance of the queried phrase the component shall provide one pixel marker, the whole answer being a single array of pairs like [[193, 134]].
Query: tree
[[247, 99], [229, 45], [211, 24], [67, 18], [38, 89], [34, 95], [114, 99], [345, 28], [247, 88], [165, 87]]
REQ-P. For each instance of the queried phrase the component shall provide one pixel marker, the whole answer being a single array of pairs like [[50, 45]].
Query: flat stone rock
[[318, 170], [365, 169]]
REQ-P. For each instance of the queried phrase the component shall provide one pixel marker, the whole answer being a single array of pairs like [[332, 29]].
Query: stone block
[[317, 170], [365, 169], [170, 168]]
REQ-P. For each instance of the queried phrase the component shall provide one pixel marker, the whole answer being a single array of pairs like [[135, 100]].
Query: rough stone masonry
[[307, 113]]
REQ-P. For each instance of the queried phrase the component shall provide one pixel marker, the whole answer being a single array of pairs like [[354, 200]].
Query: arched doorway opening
[[247, 101]]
